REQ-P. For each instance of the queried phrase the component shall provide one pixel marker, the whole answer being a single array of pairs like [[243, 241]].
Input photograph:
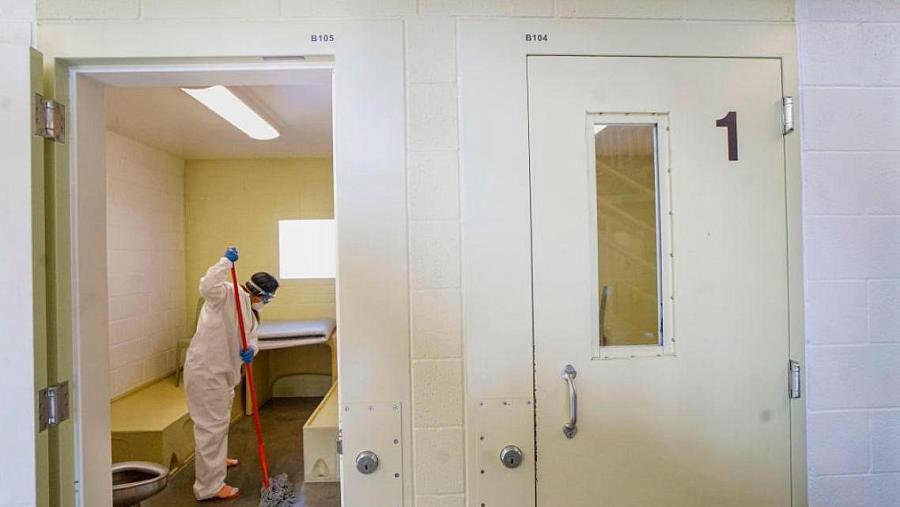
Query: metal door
[[660, 281]]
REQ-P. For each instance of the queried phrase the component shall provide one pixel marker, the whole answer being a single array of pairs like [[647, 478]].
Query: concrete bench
[[152, 424], [320, 459]]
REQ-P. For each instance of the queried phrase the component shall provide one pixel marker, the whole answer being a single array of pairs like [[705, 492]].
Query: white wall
[[146, 261], [850, 116]]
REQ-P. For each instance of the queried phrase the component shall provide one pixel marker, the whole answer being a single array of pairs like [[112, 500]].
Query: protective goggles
[[258, 291]]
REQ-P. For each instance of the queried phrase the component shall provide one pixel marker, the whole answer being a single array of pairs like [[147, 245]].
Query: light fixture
[[599, 128], [221, 101]]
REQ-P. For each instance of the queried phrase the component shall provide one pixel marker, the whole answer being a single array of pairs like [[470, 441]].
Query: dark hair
[[265, 281]]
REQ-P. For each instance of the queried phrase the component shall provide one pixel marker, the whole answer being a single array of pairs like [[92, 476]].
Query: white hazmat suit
[[211, 372]]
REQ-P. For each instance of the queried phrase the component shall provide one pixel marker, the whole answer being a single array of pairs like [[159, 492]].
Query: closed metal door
[[660, 281]]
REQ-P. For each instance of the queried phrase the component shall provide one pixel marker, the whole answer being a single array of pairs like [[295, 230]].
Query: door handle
[[571, 427]]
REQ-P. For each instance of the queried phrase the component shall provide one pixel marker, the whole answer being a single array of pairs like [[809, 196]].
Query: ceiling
[[169, 119]]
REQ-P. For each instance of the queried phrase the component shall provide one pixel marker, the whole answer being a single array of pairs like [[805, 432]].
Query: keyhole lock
[[511, 456], [367, 462]]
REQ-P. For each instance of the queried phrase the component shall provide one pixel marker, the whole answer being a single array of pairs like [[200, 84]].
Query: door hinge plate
[[49, 119], [787, 104], [794, 383], [53, 405], [339, 443]]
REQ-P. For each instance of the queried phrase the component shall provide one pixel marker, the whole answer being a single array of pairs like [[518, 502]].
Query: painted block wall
[[146, 261], [239, 202], [850, 114]]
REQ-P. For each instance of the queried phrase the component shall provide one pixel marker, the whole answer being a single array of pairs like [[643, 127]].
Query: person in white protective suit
[[212, 369]]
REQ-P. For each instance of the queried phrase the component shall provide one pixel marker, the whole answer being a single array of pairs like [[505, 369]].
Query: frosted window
[[307, 249]]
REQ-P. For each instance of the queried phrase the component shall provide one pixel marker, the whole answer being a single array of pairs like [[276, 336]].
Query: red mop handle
[[248, 368]]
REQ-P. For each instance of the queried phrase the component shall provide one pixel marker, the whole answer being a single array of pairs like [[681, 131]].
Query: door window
[[628, 234]]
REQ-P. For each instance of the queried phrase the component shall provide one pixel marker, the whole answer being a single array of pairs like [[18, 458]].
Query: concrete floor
[[282, 421]]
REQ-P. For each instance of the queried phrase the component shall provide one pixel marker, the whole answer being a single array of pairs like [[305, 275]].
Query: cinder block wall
[[293, 189], [850, 103], [145, 261], [850, 118]]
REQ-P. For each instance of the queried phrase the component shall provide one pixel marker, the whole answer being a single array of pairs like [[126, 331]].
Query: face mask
[[257, 306]]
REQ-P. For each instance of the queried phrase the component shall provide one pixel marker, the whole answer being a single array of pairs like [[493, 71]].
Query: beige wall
[[145, 245], [239, 202]]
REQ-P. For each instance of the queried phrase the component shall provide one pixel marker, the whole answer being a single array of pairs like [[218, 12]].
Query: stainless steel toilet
[[135, 481]]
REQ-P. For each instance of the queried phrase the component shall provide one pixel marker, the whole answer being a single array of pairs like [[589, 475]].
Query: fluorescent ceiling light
[[227, 105]]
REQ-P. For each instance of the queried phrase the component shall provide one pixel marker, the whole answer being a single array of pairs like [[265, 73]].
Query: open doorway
[[183, 184], [370, 201]]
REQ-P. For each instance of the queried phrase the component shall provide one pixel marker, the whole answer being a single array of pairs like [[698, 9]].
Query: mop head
[[279, 494]]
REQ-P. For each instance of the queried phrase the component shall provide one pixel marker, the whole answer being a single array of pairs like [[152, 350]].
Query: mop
[[277, 491]]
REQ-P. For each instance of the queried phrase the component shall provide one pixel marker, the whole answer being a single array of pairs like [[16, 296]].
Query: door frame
[[370, 204], [496, 215]]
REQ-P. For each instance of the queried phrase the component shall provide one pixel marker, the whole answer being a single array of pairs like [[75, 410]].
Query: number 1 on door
[[729, 121]]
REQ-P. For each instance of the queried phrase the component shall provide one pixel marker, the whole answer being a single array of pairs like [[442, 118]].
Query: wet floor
[[282, 421]]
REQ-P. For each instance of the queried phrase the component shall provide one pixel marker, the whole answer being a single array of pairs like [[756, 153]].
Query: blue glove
[[231, 254], [247, 355]]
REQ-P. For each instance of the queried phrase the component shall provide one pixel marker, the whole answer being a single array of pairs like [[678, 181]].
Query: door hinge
[[787, 104], [53, 405], [340, 442], [49, 119], [794, 382]]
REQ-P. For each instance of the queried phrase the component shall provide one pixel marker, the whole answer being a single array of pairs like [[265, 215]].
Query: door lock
[[367, 462], [511, 456]]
